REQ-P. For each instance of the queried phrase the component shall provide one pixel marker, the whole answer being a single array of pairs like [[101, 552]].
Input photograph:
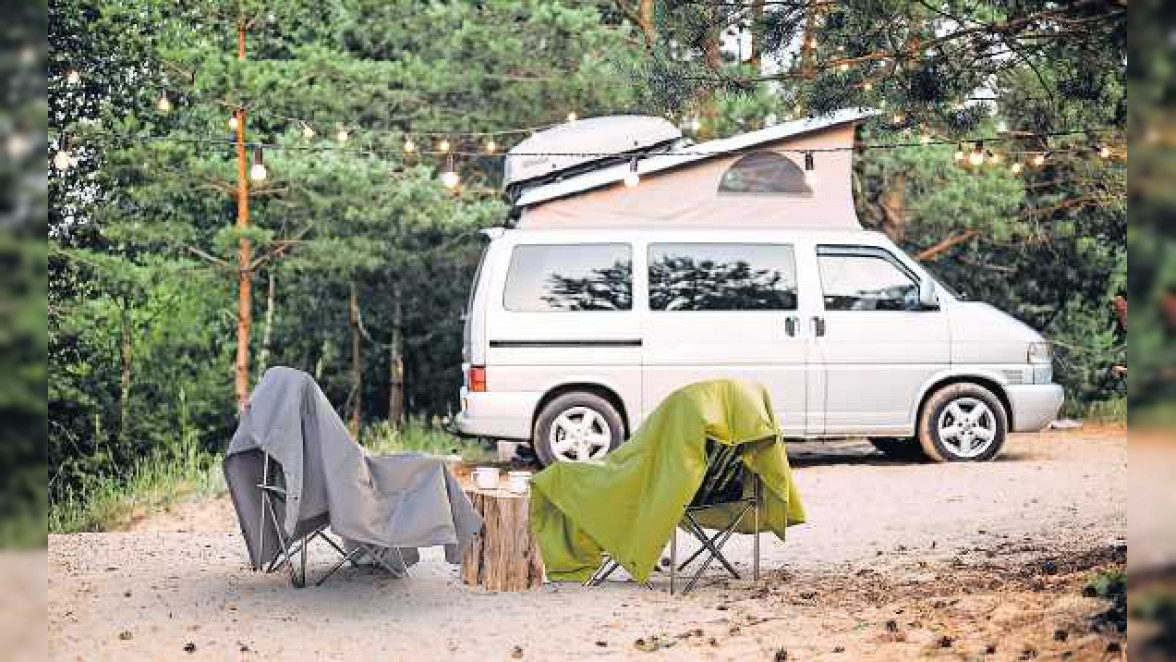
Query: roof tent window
[[764, 173]]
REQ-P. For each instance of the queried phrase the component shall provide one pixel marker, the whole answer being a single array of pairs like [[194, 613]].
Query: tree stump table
[[503, 556]]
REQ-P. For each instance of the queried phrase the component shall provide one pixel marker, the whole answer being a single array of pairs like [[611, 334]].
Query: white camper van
[[576, 329]]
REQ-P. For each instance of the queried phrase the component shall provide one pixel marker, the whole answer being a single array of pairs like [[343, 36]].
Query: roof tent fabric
[[629, 503], [405, 501], [685, 186]]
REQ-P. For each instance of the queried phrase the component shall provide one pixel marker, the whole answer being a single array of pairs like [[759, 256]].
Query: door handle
[[818, 326], [790, 324]]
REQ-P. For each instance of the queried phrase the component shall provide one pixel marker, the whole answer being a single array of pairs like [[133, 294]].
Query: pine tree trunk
[[755, 57], [708, 100], [645, 22], [356, 397], [125, 355], [396, 363], [244, 252]]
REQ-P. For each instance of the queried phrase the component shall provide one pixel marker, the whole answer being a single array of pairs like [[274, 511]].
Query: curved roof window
[[764, 173]]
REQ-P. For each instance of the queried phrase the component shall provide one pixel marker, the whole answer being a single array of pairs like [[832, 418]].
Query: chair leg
[[755, 543], [673, 559]]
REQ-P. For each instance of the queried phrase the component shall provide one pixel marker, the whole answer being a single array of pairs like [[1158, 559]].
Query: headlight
[[1040, 352]]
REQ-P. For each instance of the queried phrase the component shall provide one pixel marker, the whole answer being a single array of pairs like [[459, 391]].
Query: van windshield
[[937, 275]]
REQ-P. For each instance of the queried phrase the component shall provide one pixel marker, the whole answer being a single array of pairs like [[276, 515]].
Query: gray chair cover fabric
[[404, 501]]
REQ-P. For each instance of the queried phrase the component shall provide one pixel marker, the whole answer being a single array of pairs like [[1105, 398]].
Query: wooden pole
[[244, 249]]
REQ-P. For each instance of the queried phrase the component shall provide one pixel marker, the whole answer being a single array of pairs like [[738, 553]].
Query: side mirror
[[927, 297]]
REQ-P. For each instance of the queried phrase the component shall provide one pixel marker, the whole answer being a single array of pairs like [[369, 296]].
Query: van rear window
[[561, 278], [721, 276]]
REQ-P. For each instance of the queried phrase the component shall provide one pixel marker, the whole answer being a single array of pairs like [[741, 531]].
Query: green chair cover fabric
[[629, 503]]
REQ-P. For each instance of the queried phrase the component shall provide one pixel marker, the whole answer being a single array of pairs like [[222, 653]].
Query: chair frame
[[297, 546], [712, 545]]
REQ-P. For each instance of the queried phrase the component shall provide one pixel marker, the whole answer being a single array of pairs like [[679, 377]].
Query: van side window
[[554, 278], [862, 278], [722, 276]]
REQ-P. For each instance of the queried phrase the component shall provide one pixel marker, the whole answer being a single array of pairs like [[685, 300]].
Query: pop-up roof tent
[[573, 176]]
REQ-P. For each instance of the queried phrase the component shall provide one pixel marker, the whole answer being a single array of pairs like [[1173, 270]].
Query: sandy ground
[[898, 560]]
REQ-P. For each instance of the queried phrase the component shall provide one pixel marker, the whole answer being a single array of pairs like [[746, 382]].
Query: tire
[[559, 435], [898, 448], [962, 422]]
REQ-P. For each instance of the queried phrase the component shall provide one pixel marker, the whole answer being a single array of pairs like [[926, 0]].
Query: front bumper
[[1034, 405], [497, 415]]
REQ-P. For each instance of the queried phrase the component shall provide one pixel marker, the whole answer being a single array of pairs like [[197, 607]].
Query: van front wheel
[[962, 422], [576, 427]]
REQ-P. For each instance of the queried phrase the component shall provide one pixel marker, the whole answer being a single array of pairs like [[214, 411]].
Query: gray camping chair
[[272, 490], [727, 482]]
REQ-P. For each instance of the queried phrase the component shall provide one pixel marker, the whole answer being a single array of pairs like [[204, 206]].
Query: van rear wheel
[[576, 427], [962, 422]]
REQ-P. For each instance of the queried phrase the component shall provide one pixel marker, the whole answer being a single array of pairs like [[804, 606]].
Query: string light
[[867, 86], [1038, 160], [1016, 168], [810, 169], [307, 131], [1104, 152], [632, 178], [73, 78], [924, 140], [450, 179], [62, 160], [843, 67], [443, 146], [898, 118], [491, 146], [258, 171], [976, 157], [342, 135], [18, 145], [572, 117], [164, 104], [959, 153], [409, 146]]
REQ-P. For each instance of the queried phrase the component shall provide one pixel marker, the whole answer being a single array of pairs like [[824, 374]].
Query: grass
[[1107, 411], [111, 503]]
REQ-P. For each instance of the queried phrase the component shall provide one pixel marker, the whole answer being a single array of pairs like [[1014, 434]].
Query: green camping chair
[[727, 484]]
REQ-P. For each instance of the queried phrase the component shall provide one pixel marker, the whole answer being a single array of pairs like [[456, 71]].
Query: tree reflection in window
[[764, 173], [550, 278], [721, 277]]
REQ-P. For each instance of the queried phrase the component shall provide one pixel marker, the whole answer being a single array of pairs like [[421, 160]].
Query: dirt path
[[897, 560]]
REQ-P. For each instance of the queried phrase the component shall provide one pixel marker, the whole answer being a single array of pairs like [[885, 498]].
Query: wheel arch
[[596, 388], [980, 379]]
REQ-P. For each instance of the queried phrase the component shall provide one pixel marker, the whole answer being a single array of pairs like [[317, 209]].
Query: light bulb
[[843, 67], [73, 78], [450, 179], [258, 172], [572, 117], [959, 155], [812, 42], [491, 146], [1039, 160], [409, 146], [976, 157], [1104, 152], [898, 118], [867, 86], [18, 145], [62, 160], [164, 104], [234, 122], [1016, 168], [307, 131], [443, 146], [341, 135]]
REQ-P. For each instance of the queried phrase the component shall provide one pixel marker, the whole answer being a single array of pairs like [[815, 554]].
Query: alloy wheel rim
[[967, 427], [579, 434]]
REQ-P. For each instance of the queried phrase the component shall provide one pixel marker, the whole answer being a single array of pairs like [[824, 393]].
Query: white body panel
[[842, 371]]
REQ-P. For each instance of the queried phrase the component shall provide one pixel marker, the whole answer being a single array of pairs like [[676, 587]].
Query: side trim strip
[[632, 342]]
